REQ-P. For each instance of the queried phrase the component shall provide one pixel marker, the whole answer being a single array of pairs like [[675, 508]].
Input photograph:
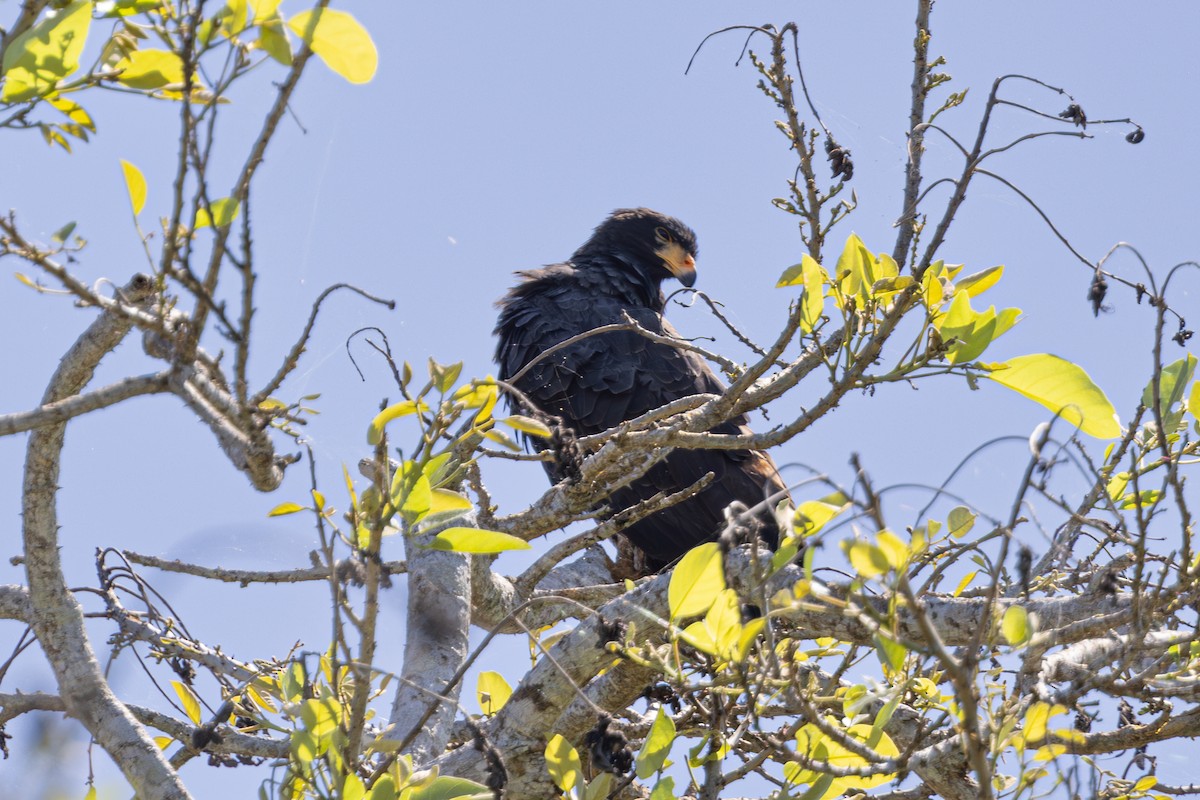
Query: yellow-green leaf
[[890, 652], [812, 515], [658, 745], [563, 763], [1194, 400], [965, 582], [492, 691], [135, 183], [264, 9], [445, 501], [411, 491], [696, 581], [978, 283], [700, 636], [75, 112], [792, 276], [891, 285], [340, 41], [353, 788], [855, 269], [528, 425], [1037, 717], [402, 409], [895, 549], [868, 559], [724, 622], [1145, 783], [191, 705], [503, 440], [664, 789], [285, 508], [959, 521], [598, 788], [1062, 387], [1015, 625], [446, 787], [39, 58], [932, 291], [273, 40], [224, 211], [813, 302], [150, 69], [1172, 384], [477, 540]]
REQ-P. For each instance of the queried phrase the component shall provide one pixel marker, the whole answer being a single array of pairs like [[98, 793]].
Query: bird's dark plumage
[[609, 378]]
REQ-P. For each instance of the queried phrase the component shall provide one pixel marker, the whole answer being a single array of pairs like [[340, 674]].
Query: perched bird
[[603, 380]]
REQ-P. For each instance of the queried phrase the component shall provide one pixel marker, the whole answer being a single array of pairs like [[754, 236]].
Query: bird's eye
[[663, 235]]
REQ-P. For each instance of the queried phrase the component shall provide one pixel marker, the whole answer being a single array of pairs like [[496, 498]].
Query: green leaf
[[224, 211], [965, 582], [340, 41], [657, 746], [477, 540], [191, 705], [563, 764], [285, 508], [696, 581], [1172, 384], [38, 59], [150, 69], [1062, 387], [492, 692], [135, 183], [1194, 400], [1015, 625]]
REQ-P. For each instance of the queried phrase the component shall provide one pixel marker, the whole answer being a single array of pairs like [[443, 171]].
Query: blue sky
[[494, 137]]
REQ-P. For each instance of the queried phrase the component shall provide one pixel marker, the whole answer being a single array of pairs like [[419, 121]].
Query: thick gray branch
[[73, 406], [439, 622], [57, 616]]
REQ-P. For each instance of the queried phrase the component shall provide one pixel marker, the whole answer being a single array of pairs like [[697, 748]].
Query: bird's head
[[661, 246]]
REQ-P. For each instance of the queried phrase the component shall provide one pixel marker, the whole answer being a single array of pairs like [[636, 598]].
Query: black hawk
[[606, 379]]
